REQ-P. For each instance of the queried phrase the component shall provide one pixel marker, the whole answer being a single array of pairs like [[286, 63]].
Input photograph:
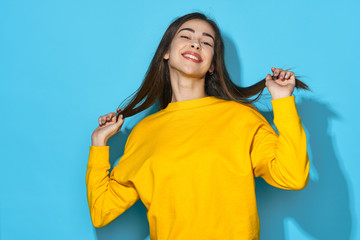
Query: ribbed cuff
[[99, 156], [284, 108]]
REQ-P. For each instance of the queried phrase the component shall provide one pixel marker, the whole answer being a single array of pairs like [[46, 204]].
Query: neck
[[186, 87]]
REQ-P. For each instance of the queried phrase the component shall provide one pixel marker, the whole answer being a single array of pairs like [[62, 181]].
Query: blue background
[[65, 63]]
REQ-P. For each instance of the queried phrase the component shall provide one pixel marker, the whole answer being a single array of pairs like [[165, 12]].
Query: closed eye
[[206, 43]]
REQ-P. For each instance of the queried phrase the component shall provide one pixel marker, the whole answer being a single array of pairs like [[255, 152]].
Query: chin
[[193, 73]]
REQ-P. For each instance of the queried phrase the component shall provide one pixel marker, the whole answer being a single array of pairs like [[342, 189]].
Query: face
[[192, 49]]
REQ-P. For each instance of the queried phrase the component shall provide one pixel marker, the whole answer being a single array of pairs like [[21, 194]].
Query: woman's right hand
[[108, 127]]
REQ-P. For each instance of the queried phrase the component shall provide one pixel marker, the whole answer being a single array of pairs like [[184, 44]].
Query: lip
[[194, 54]]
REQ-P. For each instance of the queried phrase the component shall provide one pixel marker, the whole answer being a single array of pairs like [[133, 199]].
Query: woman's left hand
[[282, 85]]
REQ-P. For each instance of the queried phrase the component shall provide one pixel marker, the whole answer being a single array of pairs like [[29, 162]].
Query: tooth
[[191, 56]]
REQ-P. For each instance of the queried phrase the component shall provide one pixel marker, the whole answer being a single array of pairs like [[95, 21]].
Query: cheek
[[174, 47], [210, 55], [177, 43]]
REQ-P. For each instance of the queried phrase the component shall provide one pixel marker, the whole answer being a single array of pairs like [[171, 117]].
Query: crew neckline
[[187, 104]]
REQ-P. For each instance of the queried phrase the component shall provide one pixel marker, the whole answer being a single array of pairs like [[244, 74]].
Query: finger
[[112, 117], [109, 116], [268, 77], [290, 74], [273, 69], [287, 75], [119, 111], [118, 120], [101, 122], [103, 119], [282, 75], [277, 71]]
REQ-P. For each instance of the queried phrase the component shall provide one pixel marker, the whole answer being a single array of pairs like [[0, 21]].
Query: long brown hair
[[156, 85]]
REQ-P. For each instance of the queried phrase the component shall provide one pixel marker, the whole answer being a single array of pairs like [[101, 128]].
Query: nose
[[195, 44]]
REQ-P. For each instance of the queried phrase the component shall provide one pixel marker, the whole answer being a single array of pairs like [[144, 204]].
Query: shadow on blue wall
[[321, 209]]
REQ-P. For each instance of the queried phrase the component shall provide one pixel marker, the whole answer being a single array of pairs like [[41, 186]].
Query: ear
[[212, 68], [166, 55]]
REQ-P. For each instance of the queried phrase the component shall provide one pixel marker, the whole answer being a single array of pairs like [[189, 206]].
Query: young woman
[[193, 162]]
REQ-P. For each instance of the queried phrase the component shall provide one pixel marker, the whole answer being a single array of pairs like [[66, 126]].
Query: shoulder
[[145, 124], [244, 111]]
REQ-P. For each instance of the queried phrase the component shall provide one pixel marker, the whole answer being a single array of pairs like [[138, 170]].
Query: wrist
[[279, 96], [98, 142]]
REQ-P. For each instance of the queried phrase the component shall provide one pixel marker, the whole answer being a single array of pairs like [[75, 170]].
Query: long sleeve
[[281, 160], [193, 165], [107, 198]]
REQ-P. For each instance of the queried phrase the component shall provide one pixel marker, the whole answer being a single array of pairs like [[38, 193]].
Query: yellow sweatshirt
[[193, 165]]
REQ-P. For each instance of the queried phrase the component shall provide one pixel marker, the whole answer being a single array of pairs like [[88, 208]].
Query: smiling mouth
[[192, 57]]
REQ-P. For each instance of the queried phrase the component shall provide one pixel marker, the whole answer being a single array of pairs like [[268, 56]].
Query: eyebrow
[[192, 30]]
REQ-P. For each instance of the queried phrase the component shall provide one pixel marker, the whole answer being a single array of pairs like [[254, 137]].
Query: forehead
[[199, 26]]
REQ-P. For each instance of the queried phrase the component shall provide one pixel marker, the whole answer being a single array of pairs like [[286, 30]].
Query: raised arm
[[281, 160], [107, 197]]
